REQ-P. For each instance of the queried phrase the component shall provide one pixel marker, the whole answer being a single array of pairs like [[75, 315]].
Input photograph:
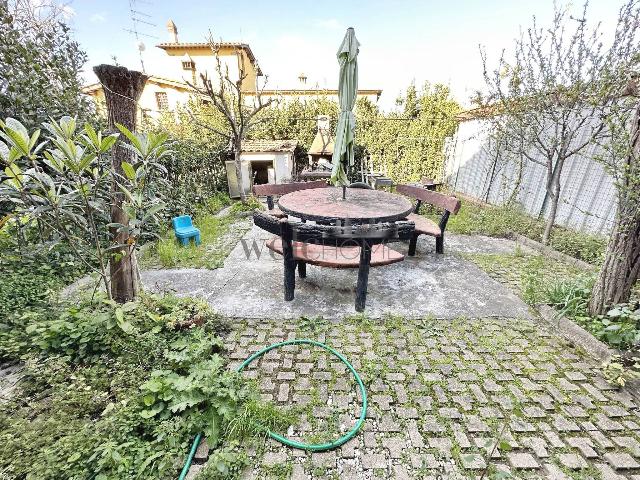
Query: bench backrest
[[270, 189], [183, 221], [332, 234], [446, 202]]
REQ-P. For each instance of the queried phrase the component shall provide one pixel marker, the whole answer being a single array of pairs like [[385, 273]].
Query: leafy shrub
[[28, 281], [196, 171], [94, 377], [225, 463], [619, 327], [214, 204]]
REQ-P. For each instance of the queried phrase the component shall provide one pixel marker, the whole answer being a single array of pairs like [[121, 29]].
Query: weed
[[532, 281], [502, 221]]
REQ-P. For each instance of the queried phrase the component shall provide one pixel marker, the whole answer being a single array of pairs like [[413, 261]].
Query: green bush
[[195, 171], [619, 327], [31, 274], [118, 392]]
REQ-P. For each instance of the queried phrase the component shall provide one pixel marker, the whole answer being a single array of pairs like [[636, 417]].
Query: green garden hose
[[288, 442]]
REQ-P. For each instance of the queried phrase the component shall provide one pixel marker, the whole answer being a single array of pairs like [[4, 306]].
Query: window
[[187, 65], [162, 100]]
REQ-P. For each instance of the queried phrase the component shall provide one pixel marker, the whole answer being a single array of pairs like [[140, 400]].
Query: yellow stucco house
[[169, 89]]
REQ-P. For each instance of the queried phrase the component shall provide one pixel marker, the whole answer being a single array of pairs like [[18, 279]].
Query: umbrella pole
[[344, 192]]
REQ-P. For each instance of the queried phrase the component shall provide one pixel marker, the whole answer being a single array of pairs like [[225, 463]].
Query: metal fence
[[587, 196]]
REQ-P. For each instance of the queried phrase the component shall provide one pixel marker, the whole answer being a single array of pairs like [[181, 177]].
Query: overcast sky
[[401, 41]]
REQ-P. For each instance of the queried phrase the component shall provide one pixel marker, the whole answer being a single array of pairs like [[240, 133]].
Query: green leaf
[[129, 170], [504, 446], [4, 152], [74, 458], [124, 325], [149, 399], [132, 137], [153, 385], [153, 411], [15, 125], [108, 142]]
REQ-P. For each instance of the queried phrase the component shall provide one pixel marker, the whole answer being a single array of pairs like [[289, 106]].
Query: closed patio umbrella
[[347, 87]]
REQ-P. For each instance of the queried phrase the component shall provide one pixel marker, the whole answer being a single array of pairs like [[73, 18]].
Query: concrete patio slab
[[444, 286]]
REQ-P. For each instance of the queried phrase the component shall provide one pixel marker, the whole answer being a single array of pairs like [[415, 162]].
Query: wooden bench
[[424, 226], [351, 246], [270, 190]]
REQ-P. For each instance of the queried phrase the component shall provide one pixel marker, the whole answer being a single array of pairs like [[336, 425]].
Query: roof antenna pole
[[138, 17]]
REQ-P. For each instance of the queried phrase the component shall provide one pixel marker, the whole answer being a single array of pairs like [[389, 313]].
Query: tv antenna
[[138, 19]]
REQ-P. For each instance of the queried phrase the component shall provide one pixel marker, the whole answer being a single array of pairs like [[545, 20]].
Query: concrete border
[[563, 257], [575, 333]]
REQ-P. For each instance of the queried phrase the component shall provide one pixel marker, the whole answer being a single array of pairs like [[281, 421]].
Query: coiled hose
[[286, 441]]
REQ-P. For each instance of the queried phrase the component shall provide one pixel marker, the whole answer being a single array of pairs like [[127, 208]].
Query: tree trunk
[[621, 267], [553, 194], [516, 188], [237, 150], [551, 219], [122, 89]]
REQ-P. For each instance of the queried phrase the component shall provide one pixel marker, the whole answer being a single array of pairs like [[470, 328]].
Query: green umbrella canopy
[[347, 88]]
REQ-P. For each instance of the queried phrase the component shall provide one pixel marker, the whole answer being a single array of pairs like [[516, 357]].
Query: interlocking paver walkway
[[440, 392]]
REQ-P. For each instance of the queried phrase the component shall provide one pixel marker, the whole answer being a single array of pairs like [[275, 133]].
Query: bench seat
[[425, 225], [276, 212], [337, 257]]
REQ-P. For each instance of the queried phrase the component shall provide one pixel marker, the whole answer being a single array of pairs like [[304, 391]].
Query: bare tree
[[122, 90], [547, 93], [231, 100]]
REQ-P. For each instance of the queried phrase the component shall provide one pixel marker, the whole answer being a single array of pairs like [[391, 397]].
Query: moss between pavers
[[526, 275], [452, 348]]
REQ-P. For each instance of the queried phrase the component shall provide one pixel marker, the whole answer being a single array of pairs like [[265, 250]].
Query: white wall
[[282, 164], [171, 67], [587, 195], [148, 101]]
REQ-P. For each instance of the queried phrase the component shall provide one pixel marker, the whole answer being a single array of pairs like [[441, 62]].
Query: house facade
[[187, 61]]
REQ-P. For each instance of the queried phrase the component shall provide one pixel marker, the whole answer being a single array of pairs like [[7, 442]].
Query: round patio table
[[359, 206]]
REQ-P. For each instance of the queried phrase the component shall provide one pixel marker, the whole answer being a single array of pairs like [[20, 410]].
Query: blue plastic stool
[[183, 226]]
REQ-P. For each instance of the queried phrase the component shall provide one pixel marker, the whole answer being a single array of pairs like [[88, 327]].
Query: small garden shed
[[263, 161]]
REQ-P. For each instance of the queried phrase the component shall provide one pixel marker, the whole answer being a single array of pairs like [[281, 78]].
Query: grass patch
[[218, 235], [494, 221], [527, 275]]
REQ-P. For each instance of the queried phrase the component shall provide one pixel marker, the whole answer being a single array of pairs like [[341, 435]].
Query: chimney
[[173, 31]]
